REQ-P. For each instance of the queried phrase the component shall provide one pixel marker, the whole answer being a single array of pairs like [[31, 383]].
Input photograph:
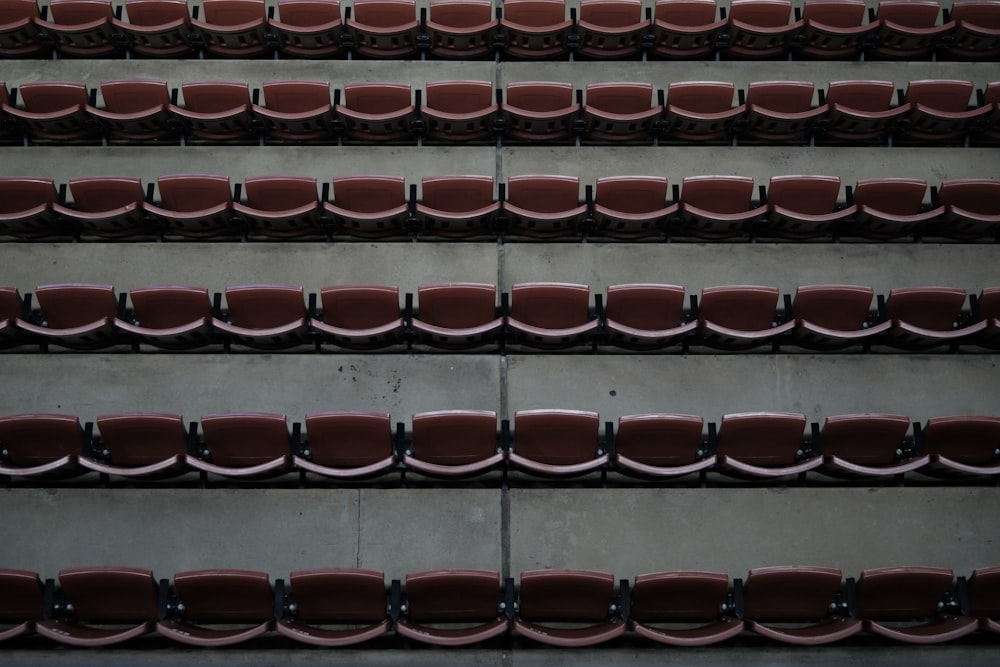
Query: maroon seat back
[[980, 196], [19, 194], [811, 195], [620, 98], [544, 194], [934, 308], [455, 437], [245, 439], [459, 97], [631, 194], [169, 306], [36, 439], [110, 594], [660, 439], [898, 196], [452, 595], [940, 95], [967, 439], [781, 96], [835, 13], [149, 13], [704, 97], [741, 307], [193, 192], [984, 592], [461, 13], [384, 13], [550, 305], [909, 13], [678, 596], [870, 439], [133, 96], [718, 194], [349, 439], [225, 596], [457, 194], [215, 96], [689, 13], [563, 595], [761, 13], [535, 13], [861, 95], [142, 438], [839, 307], [21, 596], [265, 306], [540, 96], [901, 593], [796, 592], [52, 96], [296, 96], [11, 304], [646, 306], [369, 194], [76, 12], [280, 193], [68, 306], [762, 438], [106, 193], [308, 13], [557, 437], [611, 13], [360, 306], [339, 595], [230, 13], [457, 305], [377, 98]]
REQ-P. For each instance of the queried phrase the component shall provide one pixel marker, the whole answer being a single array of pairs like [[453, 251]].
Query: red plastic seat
[[868, 445], [453, 443], [890, 208], [234, 28], [984, 598], [764, 445], [216, 111], [797, 604], [296, 110], [308, 28], [75, 315], [34, 445], [760, 28], [558, 443], [860, 112], [661, 446], [780, 112], [550, 315], [18, 35], [461, 29], [830, 317], [360, 316], [988, 309], [347, 445], [26, 207], [890, 595], [686, 29], [219, 597], [452, 607], [369, 206], [124, 598], [334, 607], [459, 110], [701, 111], [243, 445], [578, 596], [21, 602], [940, 111], [55, 111], [961, 446], [136, 110], [457, 206], [11, 308], [539, 111], [106, 206], [926, 317], [908, 29], [971, 208], [718, 207], [384, 28], [645, 315], [805, 207], [620, 112], [81, 28], [610, 29], [281, 206], [535, 29], [740, 316], [157, 28], [683, 608], [832, 29], [976, 31], [139, 444], [194, 205], [544, 206], [630, 207], [377, 111], [265, 317], [457, 315], [171, 317]]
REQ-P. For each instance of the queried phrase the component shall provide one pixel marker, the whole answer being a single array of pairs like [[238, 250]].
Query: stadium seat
[[976, 33], [907, 29], [868, 446], [717, 207], [686, 29], [384, 28], [984, 598], [539, 111], [939, 112], [81, 28], [26, 207], [22, 600], [233, 28], [453, 444], [297, 111], [216, 111], [457, 315], [11, 308], [610, 29], [452, 607], [172, 317], [684, 608], [629, 207], [832, 30], [156, 28], [55, 112], [860, 112], [645, 315], [988, 310], [960, 446], [218, 597], [333, 607], [242, 445], [971, 208], [280, 207], [18, 36], [661, 446], [376, 112], [33, 445], [461, 29], [108, 207], [830, 317], [550, 315], [579, 596], [926, 317], [701, 111], [535, 29], [805, 207], [308, 28], [558, 443], [194, 206], [889, 208], [139, 445], [544, 206], [360, 316], [459, 111], [264, 317], [136, 110], [780, 112], [77, 316], [347, 445], [621, 112], [369, 206], [759, 29], [764, 445], [735, 317], [456, 206]]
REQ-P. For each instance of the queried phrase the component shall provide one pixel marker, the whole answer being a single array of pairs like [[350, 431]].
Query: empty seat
[[457, 315], [359, 316], [661, 446], [21, 602], [550, 315], [976, 31], [988, 311], [218, 597], [347, 444], [631, 206], [459, 111], [280, 206], [686, 29], [453, 443], [683, 608], [217, 111], [81, 28], [764, 445], [780, 112], [101, 606], [759, 28], [539, 111], [384, 28], [40, 444], [860, 112], [457, 206], [55, 111], [798, 604], [194, 205], [461, 29], [961, 445], [621, 112], [578, 596], [74, 315], [892, 208], [377, 111], [971, 208], [610, 29], [26, 207], [829, 317], [333, 606], [804, 207], [701, 111], [645, 315], [544, 206], [106, 206], [868, 445], [136, 110], [296, 110], [265, 317], [139, 444], [832, 29], [535, 29], [891, 595], [740, 316], [907, 29], [18, 35], [169, 317], [11, 308], [984, 597], [233, 28], [243, 445], [452, 607], [717, 207], [308, 28], [558, 443], [369, 206], [156, 28], [940, 111], [926, 317]]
